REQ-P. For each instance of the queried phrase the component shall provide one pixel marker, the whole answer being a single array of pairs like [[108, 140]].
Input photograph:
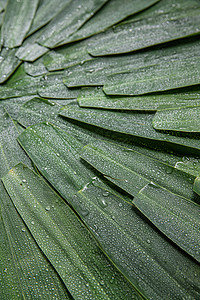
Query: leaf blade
[[17, 21], [175, 216], [63, 238]]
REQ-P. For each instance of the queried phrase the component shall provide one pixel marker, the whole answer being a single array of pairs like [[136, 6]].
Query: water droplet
[[23, 230], [102, 202], [120, 204], [112, 279], [23, 180], [106, 194], [101, 282], [84, 212], [47, 208], [169, 170], [148, 241], [32, 222]]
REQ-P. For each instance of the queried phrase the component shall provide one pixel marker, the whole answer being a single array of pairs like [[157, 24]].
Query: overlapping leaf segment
[[100, 149]]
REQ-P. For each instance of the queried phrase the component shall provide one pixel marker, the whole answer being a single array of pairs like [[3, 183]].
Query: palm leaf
[[49, 219], [17, 21], [99, 140]]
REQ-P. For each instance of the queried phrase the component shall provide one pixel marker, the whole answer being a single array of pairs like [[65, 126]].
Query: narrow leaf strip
[[20, 84], [64, 240], [46, 11], [136, 248], [8, 64], [130, 169], [52, 87], [159, 77], [175, 216], [137, 35], [30, 114], [182, 119], [141, 125], [25, 272], [17, 21], [96, 98], [196, 186], [108, 16], [36, 68], [30, 50], [143, 63], [69, 20], [190, 166], [67, 56]]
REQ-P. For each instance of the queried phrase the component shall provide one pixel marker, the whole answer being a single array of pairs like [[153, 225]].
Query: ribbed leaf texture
[[100, 149]]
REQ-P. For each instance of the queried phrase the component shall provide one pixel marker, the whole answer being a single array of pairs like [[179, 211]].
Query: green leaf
[[24, 272], [46, 11], [197, 185], [2, 5], [13, 105], [69, 20], [77, 175], [20, 84], [175, 216], [137, 35], [108, 16], [8, 64], [52, 87], [64, 240], [17, 21], [36, 68], [30, 112], [39, 110], [123, 167], [8, 272], [96, 98], [8, 144], [141, 126], [191, 166], [181, 119], [96, 71], [137, 249], [98, 159], [165, 75], [164, 7], [30, 50], [67, 56]]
